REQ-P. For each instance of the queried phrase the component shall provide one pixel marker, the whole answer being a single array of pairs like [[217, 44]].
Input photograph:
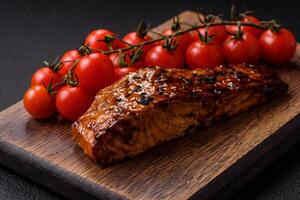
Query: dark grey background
[[34, 31]]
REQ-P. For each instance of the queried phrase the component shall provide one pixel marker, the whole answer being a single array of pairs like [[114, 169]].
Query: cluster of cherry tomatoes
[[69, 86]]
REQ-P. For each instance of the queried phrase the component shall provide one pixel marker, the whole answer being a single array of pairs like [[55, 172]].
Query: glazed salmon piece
[[154, 105]]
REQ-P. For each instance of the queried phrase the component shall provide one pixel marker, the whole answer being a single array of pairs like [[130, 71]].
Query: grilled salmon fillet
[[154, 105]]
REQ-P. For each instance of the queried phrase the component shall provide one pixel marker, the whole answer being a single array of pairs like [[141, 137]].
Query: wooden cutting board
[[210, 163]]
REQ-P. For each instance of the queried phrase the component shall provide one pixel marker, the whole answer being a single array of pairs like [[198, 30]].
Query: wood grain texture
[[207, 162]]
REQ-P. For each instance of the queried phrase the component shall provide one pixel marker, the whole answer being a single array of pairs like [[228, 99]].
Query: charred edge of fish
[[189, 129], [136, 77], [241, 75], [161, 90], [191, 114], [145, 99], [161, 78], [283, 87], [165, 105], [187, 81], [137, 88], [268, 89], [209, 79]]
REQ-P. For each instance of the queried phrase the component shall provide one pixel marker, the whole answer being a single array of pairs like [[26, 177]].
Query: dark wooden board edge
[[251, 164], [71, 186], [50, 176]]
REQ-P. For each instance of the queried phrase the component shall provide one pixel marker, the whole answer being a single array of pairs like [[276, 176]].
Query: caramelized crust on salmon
[[154, 105]]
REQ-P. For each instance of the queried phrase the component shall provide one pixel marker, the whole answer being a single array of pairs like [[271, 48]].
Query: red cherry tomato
[[159, 56], [94, 72], [255, 31], [115, 59], [72, 102], [133, 39], [218, 32], [38, 102], [247, 19], [278, 47], [93, 38], [243, 50], [45, 76], [183, 41], [67, 61], [203, 55], [121, 71]]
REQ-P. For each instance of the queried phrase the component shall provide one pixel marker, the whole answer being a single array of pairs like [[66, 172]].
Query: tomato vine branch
[[192, 28]]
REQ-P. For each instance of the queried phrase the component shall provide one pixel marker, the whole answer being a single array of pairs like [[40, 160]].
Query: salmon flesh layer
[[154, 105]]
